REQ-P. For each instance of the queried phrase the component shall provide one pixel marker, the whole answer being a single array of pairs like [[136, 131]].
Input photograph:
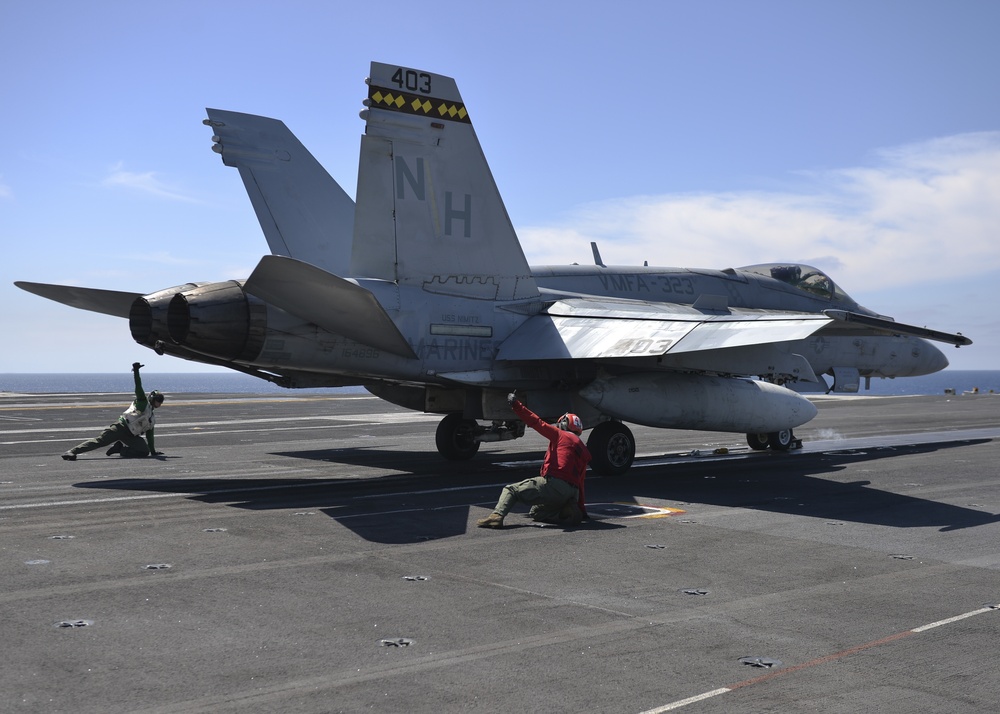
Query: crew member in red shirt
[[557, 494]]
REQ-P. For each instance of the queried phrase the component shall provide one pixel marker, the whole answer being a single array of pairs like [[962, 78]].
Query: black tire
[[780, 440], [757, 442], [454, 438], [612, 448]]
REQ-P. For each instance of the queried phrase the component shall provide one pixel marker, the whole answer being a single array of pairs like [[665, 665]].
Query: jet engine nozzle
[[147, 318], [691, 401], [218, 319]]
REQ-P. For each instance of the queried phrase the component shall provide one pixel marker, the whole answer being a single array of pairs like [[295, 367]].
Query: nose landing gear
[[776, 441]]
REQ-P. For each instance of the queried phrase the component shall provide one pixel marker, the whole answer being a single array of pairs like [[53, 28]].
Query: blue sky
[[861, 137]]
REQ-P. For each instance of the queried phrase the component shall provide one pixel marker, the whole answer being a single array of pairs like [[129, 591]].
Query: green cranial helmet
[[156, 397]]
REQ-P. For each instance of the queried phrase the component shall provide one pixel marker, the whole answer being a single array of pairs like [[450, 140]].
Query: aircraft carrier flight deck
[[314, 553]]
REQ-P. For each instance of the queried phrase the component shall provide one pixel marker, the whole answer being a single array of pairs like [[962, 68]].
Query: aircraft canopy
[[804, 277]]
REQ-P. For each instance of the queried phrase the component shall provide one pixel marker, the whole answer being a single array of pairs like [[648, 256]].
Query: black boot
[[116, 448]]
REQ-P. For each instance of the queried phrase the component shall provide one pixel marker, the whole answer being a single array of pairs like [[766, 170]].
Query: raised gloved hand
[[136, 366], [512, 397]]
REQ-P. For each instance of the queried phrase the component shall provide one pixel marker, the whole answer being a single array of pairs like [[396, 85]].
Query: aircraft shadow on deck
[[794, 484], [392, 524], [354, 503], [779, 483], [417, 464]]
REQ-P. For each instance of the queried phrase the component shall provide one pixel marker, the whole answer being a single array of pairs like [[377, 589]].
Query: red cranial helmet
[[570, 422]]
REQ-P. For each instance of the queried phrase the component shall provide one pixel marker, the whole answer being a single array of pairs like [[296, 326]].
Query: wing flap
[[715, 335], [586, 329], [335, 304], [558, 337]]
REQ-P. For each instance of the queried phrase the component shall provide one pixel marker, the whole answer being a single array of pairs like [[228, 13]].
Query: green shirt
[[141, 403]]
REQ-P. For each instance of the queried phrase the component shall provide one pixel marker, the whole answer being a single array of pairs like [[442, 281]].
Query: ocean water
[[235, 383], [166, 382]]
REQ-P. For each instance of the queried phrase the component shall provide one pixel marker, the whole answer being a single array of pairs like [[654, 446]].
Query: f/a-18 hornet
[[419, 291]]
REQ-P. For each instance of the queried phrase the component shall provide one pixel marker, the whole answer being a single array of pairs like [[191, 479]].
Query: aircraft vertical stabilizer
[[429, 213], [303, 212]]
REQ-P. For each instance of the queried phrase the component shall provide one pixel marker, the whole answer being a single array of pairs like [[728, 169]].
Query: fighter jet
[[419, 291]]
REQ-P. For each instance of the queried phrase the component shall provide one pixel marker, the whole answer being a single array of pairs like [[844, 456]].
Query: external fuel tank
[[692, 401]]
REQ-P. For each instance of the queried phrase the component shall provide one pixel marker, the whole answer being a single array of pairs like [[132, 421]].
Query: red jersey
[[567, 456]]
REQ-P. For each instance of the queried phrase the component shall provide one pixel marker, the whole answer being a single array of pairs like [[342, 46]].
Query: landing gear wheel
[[757, 441], [780, 440], [455, 438], [612, 448]]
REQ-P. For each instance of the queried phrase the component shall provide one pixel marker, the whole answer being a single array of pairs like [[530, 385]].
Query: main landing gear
[[612, 448], [776, 441], [456, 438], [611, 443]]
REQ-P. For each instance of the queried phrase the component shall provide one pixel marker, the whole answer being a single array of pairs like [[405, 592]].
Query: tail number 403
[[412, 81]]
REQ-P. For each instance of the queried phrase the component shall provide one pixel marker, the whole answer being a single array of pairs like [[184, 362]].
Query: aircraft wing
[[335, 304], [896, 328], [594, 329], [108, 302]]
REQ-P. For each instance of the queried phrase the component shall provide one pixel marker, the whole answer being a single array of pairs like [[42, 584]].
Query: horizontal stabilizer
[[303, 212], [324, 299], [897, 328], [108, 302]]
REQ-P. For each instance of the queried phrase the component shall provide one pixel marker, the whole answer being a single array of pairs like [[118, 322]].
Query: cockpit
[[804, 277]]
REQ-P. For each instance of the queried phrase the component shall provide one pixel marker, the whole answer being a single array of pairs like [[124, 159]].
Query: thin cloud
[[146, 183], [165, 258], [917, 212], [5, 190]]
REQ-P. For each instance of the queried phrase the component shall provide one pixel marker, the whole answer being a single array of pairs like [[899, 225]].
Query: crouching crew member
[[125, 435], [557, 494]]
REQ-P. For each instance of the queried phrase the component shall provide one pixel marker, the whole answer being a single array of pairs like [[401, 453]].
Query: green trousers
[[547, 495], [135, 446]]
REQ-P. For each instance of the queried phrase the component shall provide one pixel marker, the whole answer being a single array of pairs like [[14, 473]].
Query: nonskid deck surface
[[313, 553]]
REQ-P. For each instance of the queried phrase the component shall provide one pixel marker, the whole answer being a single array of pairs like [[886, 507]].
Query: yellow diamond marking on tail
[[421, 106]]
